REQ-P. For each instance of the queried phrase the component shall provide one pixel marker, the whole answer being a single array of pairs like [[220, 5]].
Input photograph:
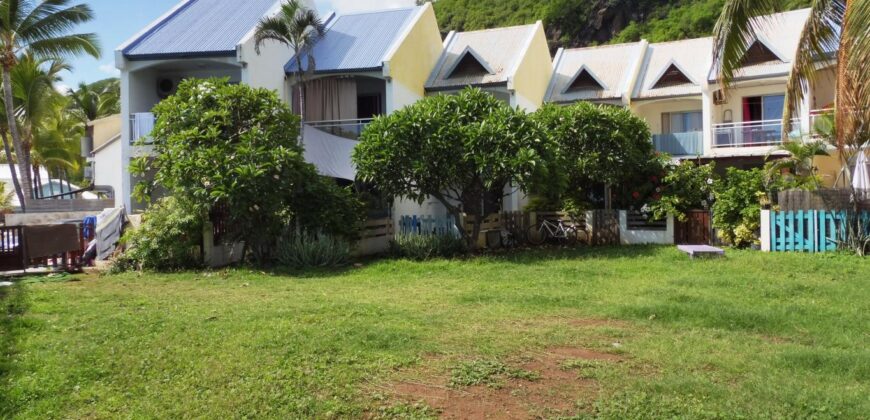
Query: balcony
[[141, 126], [751, 134], [349, 129], [680, 144]]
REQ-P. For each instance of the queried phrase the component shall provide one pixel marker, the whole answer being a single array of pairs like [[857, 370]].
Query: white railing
[[349, 129], [141, 126], [817, 115], [751, 133]]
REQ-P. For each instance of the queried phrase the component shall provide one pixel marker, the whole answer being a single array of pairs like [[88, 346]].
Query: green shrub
[[169, 239], [426, 247], [737, 211], [686, 186], [313, 251]]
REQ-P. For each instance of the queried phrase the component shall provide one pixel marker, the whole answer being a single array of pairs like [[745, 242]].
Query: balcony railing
[[349, 129], [141, 126], [751, 133], [680, 144]]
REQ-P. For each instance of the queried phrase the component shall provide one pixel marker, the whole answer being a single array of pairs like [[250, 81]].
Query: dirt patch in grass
[[553, 388]]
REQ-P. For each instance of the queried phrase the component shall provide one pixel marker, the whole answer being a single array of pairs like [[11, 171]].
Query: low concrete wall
[[60, 206], [765, 231], [216, 255], [32, 219], [645, 237]]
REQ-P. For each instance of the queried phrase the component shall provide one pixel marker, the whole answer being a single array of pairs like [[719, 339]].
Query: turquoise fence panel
[[812, 230]]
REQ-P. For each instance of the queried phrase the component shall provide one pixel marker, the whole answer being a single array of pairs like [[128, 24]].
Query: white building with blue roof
[[199, 39]]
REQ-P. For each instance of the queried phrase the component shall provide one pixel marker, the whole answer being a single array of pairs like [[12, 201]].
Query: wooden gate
[[12, 256], [696, 230]]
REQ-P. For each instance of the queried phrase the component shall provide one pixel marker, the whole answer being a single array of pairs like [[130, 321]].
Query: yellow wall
[[829, 169], [106, 129], [651, 111], [414, 59], [533, 74], [824, 89]]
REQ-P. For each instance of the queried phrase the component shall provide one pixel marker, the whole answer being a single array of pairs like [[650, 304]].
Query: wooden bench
[[701, 251]]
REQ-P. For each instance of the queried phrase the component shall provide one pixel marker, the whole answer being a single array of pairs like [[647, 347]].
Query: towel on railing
[[50, 240], [143, 125]]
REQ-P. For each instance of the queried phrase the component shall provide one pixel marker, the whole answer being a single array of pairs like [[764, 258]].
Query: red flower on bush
[[636, 195], [654, 178], [657, 196]]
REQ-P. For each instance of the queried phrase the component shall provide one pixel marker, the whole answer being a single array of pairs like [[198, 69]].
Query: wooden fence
[[826, 199], [809, 231], [375, 237]]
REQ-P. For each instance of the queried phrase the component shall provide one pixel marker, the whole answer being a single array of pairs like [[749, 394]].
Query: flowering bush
[[737, 211], [685, 187]]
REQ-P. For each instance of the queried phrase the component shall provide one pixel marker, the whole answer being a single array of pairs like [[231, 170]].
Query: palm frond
[[734, 33], [819, 38]]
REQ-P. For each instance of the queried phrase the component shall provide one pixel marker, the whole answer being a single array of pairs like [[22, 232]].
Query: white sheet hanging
[[110, 224], [861, 178], [330, 154]]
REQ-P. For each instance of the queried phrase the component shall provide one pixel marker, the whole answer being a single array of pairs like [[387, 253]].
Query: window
[[682, 122], [763, 108]]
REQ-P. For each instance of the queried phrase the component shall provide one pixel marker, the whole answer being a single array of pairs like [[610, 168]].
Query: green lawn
[[615, 333]]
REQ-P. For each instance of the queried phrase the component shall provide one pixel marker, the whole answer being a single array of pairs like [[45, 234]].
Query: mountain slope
[[577, 23]]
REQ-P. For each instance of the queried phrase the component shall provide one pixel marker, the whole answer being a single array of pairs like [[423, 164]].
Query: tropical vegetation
[[233, 148], [36, 30], [297, 27], [466, 151]]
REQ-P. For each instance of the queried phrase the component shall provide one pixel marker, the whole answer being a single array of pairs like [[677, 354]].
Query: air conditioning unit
[[719, 98], [166, 87]]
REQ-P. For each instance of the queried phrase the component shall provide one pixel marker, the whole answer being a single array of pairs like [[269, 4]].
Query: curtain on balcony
[[330, 99], [330, 154]]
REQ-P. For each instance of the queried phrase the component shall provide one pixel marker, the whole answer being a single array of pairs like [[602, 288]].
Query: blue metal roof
[[200, 28], [357, 42]]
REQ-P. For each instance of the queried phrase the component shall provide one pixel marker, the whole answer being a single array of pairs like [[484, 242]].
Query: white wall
[[644, 237], [265, 70], [109, 170]]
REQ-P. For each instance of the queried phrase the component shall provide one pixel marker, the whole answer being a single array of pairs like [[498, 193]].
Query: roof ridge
[[157, 26], [372, 12], [677, 41], [503, 28], [605, 46]]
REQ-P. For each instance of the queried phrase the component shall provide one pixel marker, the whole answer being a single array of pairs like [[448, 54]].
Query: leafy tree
[[297, 27], [597, 145], [686, 187], [5, 198], [41, 29], [456, 149], [236, 146]]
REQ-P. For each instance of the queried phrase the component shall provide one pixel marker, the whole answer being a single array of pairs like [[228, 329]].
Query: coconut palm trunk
[[23, 165], [15, 182]]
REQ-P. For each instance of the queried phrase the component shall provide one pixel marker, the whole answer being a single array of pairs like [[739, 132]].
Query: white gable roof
[[611, 65], [499, 50], [692, 57]]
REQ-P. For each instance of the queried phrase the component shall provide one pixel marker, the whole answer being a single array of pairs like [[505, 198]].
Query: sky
[[118, 20]]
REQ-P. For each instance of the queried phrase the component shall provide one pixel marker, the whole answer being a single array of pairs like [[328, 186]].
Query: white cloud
[[346, 6], [110, 69], [61, 87]]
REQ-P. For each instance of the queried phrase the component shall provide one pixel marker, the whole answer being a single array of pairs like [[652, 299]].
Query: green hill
[[577, 23]]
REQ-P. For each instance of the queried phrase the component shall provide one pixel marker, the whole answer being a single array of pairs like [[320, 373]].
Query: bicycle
[[558, 231]]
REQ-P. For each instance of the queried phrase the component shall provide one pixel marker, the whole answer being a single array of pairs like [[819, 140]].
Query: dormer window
[[584, 81], [470, 64], [673, 76], [758, 53]]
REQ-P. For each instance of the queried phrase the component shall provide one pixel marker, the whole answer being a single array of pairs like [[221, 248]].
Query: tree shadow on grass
[[13, 305]]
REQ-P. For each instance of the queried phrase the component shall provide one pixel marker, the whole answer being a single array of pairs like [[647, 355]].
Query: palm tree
[[89, 104], [835, 27], [800, 161], [5, 199], [35, 101], [43, 29], [297, 27]]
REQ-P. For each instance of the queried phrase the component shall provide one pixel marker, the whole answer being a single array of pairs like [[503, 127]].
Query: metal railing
[[680, 144], [349, 129], [141, 126], [751, 133]]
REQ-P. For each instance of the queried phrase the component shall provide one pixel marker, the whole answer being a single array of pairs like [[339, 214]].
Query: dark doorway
[[368, 106]]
